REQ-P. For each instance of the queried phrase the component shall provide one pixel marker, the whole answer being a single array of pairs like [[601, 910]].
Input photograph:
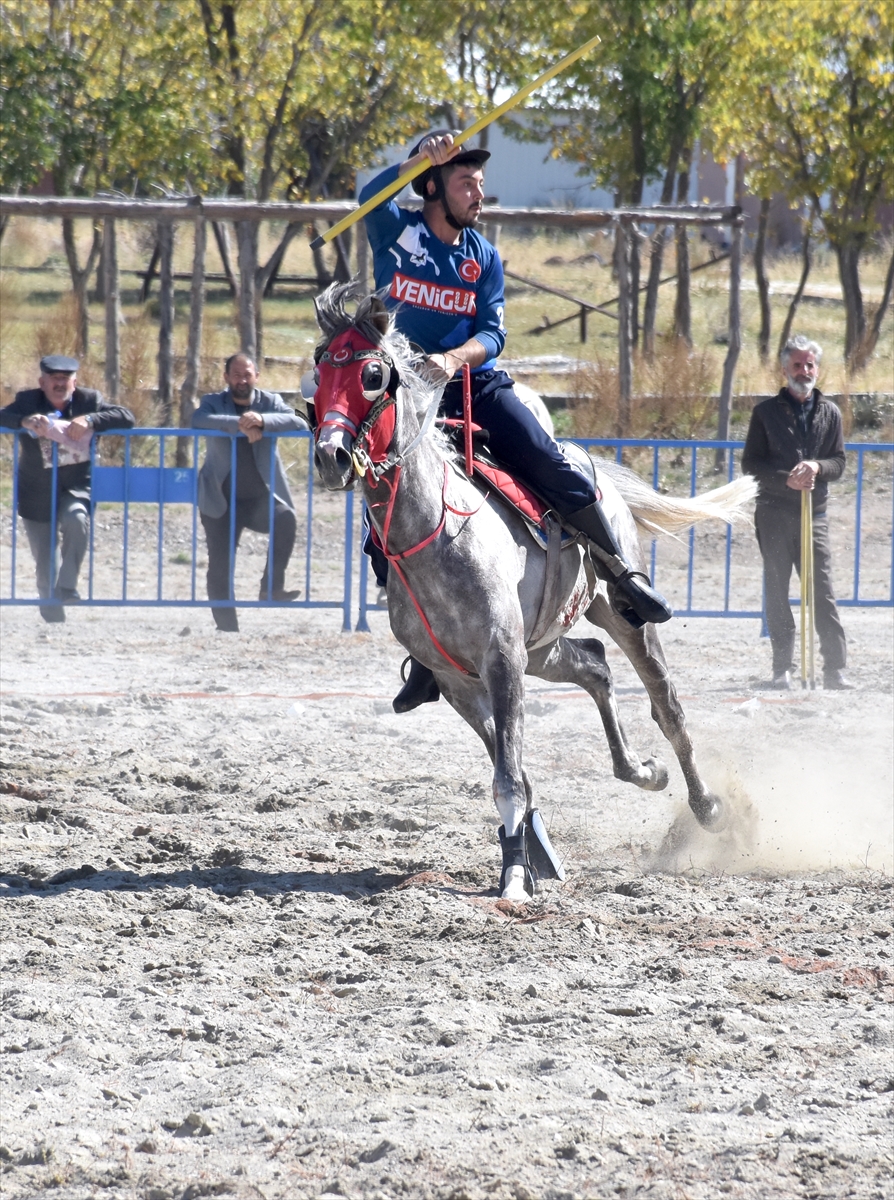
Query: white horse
[[471, 594]]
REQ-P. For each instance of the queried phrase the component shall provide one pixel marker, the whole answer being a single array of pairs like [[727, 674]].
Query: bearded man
[[444, 282], [795, 444]]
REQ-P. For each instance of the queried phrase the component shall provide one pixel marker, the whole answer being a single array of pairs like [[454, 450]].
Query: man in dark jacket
[[244, 408], [795, 444], [63, 417]]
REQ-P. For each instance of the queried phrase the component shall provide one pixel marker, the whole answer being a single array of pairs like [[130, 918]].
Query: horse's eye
[[372, 379]]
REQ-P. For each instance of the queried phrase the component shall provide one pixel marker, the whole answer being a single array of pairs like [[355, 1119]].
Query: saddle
[[490, 475]]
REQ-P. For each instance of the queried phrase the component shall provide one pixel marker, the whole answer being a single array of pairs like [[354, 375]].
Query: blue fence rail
[[686, 454], [135, 483]]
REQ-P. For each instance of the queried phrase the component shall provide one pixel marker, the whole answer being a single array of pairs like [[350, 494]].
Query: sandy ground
[[252, 943]]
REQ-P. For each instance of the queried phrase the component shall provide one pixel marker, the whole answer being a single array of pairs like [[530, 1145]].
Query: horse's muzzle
[[332, 456]]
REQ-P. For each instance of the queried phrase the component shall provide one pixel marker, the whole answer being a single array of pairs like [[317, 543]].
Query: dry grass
[[30, 302]]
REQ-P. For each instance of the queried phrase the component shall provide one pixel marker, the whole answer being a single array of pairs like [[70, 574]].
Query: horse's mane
[[373, 321]]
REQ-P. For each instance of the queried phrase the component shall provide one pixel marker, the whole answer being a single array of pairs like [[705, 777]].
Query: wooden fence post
[[625, 328], [113, 308], [166, 322], [362, 258], [190, 385], [735, 340]]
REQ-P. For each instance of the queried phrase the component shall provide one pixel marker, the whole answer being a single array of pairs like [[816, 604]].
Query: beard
[[466, 220], [800, 388], [241, 391]]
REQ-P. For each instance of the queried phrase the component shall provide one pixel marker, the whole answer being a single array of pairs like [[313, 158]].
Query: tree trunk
[[223, 248], [190, 384], [682, 306], [267, 274], [735, 341], [635, 239], [113, 308], [99, 291], [166, 323], [323, 276], [79, 278], [249, 317], [363, 255], [342, 260], [806, 261], [623, 238], [650, 309], [151, 270], [763, 283], [864, 351], [848, 255], [4, 221]]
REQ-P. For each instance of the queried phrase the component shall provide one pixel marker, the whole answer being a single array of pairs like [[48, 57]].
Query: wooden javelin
[[396, 185]]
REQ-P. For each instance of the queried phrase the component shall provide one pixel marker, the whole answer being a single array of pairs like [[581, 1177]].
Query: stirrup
[[420, 687], [638, 605]]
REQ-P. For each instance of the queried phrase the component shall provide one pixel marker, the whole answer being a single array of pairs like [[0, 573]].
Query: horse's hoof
[[710, 812], [659, 774]]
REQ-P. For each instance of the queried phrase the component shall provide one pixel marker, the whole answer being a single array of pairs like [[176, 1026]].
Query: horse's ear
[[379, 315]]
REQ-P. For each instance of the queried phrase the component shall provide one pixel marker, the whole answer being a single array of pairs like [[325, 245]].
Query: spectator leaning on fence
[[795, 444], [61, 413], [244, 409]]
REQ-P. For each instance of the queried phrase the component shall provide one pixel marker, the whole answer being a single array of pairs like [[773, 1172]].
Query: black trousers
[[255, 515], [778, 531], [518, 440]]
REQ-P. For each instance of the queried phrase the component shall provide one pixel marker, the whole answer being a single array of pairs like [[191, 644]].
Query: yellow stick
[[808, 656], [804, 593], [482, 122], [811, 593]]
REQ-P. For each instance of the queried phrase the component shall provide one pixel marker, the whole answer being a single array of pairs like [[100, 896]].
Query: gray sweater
[[218, 410]]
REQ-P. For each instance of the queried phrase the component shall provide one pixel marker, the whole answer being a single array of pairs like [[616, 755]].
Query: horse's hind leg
[[581, 661], [643, 648]]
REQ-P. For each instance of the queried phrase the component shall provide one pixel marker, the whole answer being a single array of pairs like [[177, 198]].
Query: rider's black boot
[[420, 688], [632, 595]]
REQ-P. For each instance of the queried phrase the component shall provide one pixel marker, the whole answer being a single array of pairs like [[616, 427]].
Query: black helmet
[[471, 154]]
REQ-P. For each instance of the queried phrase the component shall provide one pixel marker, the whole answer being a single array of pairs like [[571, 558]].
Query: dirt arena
[[253, 948]]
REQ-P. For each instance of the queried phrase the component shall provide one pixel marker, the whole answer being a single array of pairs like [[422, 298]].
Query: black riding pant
[[250, 514], [519, 441], [778, 531]]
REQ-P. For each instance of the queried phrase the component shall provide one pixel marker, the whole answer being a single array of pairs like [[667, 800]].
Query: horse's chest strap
[[395, 558]]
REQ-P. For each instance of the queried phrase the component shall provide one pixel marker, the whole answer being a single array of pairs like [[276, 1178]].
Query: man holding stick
[[445, 283], [795, 444]]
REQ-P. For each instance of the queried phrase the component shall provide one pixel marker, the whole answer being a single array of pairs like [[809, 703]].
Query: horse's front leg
[[581, 661], [643, 649], [503, 674], [490, 705]]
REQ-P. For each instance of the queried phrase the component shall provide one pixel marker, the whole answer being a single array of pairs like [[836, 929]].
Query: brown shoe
[[280, 595], [836, 681]]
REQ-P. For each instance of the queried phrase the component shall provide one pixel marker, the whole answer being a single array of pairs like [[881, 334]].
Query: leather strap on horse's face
[[357, 386]]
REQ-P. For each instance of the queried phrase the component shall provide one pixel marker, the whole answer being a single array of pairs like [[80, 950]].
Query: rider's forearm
[[471, 352]]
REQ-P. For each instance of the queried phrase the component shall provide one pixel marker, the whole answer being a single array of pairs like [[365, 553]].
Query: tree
[[811, 103], [631, 112], [303, 93], [90, 93]]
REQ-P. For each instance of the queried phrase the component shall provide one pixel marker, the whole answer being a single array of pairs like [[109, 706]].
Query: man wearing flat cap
[[61, 413]]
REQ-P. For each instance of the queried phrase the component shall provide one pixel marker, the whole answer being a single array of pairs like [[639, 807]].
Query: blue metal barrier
[[728, 608], [164, 485]]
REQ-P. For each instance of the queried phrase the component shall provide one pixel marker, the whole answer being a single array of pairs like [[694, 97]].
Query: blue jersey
[[443, 294]]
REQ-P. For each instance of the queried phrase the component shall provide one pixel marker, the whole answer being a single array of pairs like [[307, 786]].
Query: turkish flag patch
[[469, 270]]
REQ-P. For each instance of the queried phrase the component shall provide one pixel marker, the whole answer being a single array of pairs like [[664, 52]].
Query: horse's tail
[[657, 514]]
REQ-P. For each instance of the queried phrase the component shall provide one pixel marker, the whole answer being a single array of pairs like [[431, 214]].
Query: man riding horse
[[445, 282]]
